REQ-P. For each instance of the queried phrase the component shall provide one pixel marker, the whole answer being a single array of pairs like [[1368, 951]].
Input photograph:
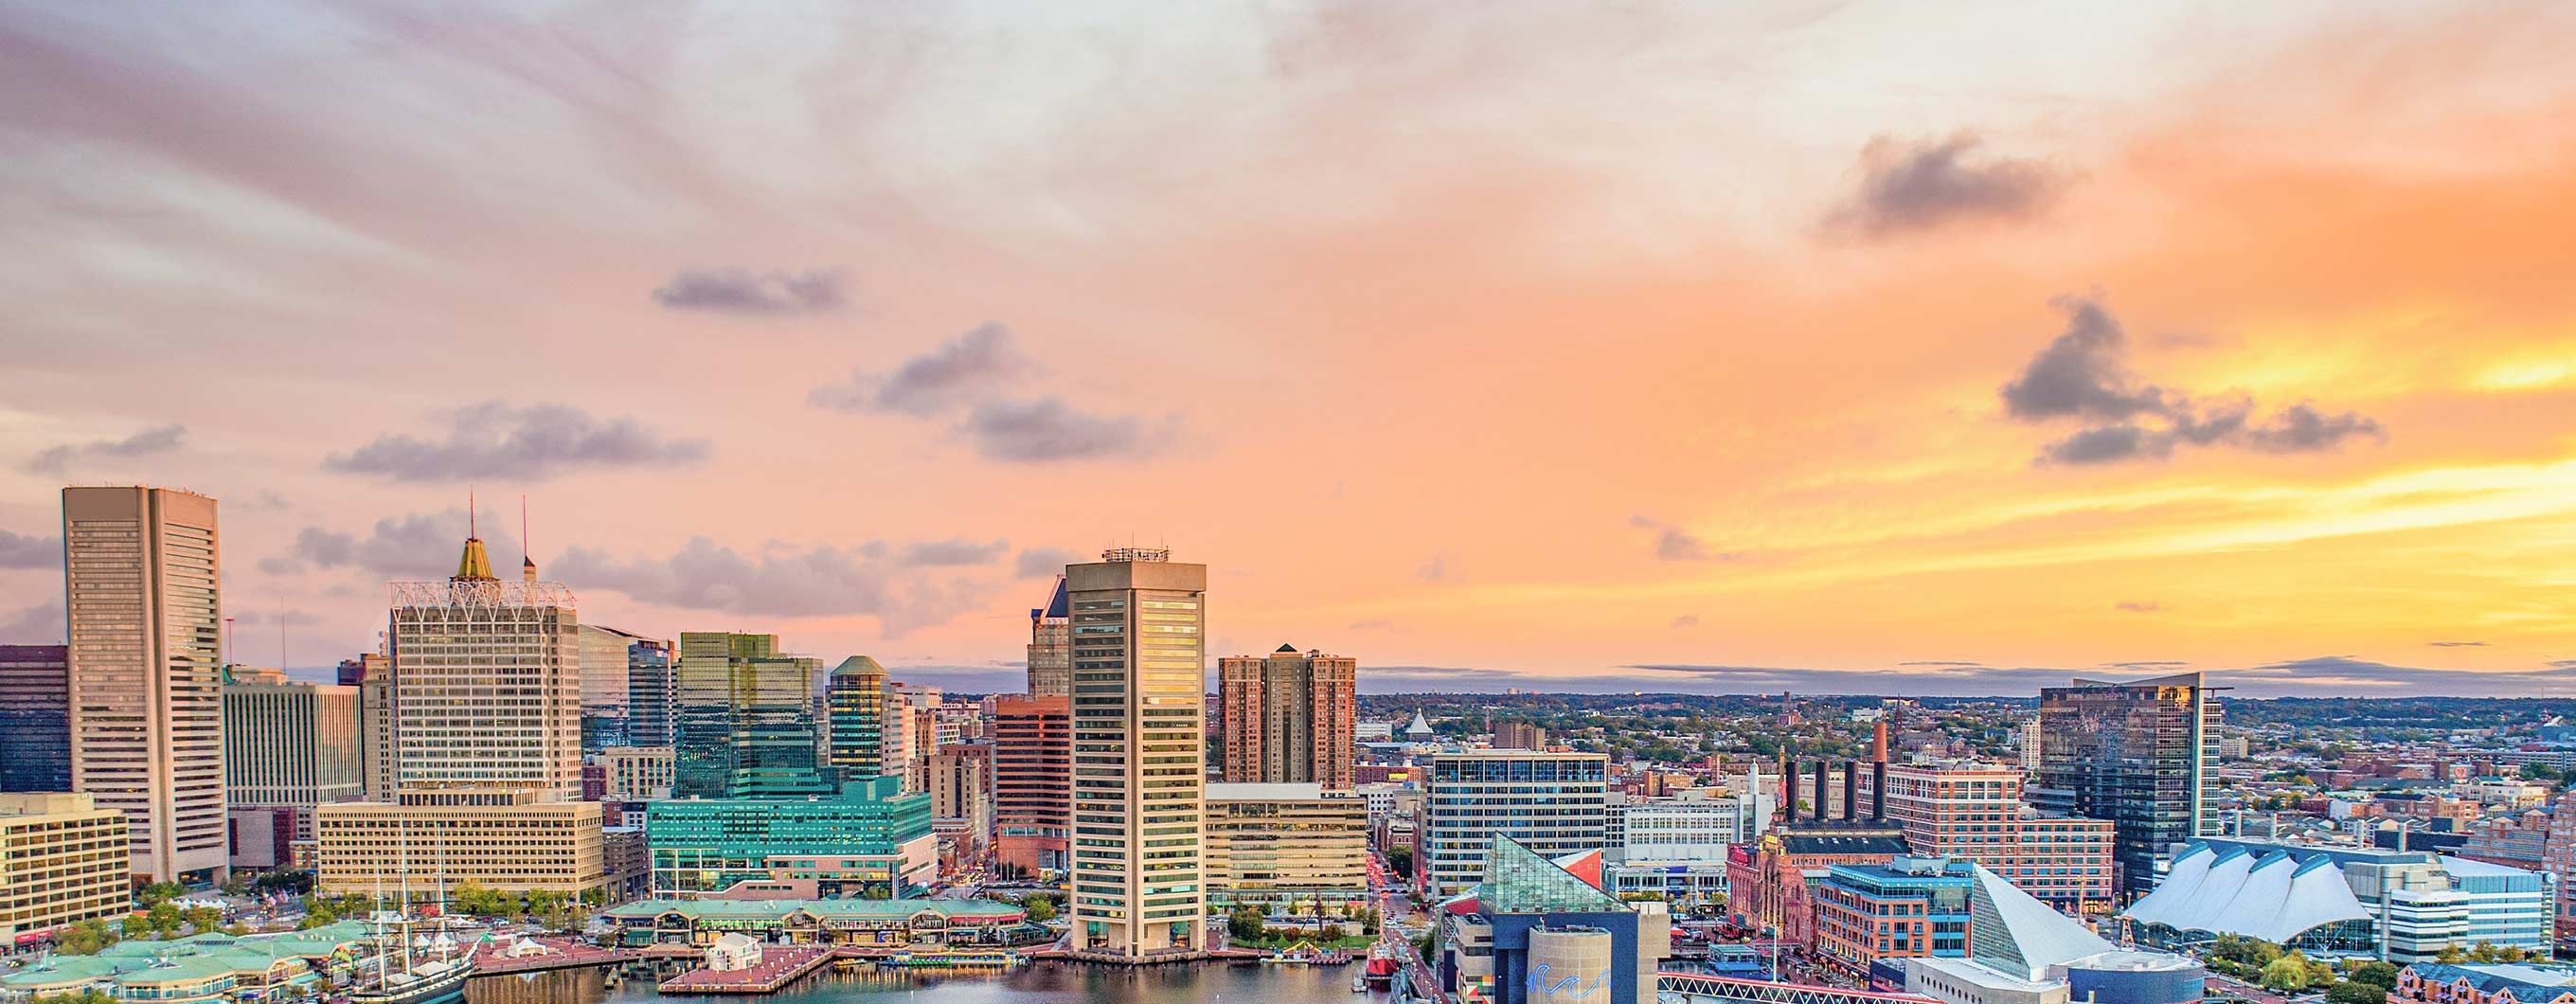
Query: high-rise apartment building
[[2132, 753], [895, 734], [1553, 803], [1289, 717], [487, 682], [1032, 780], [63, 860], [856, 696], [960, 781], [291, 744], [1051, 646], [1139, 754], [1976, 814], [1519, 736], [35, 719], [141, 574], [744, 719]]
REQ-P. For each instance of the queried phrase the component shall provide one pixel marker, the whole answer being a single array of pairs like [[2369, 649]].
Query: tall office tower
[[35, 719], [375, 684], [487, 682], [2131, 753], [856, 695], [607, 655], [1552, 803], [743, 722], [1032, 780], [141, 568], [1051, 646], [1289, 717], [290, 744], [1139, 754], [649, 683]]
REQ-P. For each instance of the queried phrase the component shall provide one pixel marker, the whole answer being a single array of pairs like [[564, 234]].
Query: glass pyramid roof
[[1520, 880]]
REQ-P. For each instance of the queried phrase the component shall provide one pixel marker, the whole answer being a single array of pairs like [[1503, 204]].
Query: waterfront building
[[1977, 814], [512, 839], [35, 721], [63, 859], [1286, 844], [2516, 983], [142, 570], [2413, 904], [743, 719], [1032, 780], [1552, 803], [1534, 930], [865, 923], [871, 836], [1051, 645], [1139, 750], [2134, 753], [205, 968], [291, 744], [638, 773], [1288, 717], [855, 695]]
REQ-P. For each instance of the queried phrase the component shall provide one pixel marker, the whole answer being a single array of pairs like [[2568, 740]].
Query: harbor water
[[1040, 983]]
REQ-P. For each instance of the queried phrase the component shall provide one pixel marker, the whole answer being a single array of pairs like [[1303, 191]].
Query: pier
[[779, 966]]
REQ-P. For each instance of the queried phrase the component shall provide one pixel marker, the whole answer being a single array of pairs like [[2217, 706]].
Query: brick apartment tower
[[1288, 717]]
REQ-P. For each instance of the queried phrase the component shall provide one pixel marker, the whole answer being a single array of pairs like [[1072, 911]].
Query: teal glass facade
[[858, 836], [743, 720]]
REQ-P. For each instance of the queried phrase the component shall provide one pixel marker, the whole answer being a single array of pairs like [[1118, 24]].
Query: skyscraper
[[374, 676], [2131, 753], [856, 694], [1032, 780], [648, 692], [487, 682], [141, 574], [743, 720], [1139, 754], [35, 720], [607, 656], [1051, 646], [1288, 717], [290, 744]]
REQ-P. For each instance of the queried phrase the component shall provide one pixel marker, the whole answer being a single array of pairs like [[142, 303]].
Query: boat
[[1359, 985], [433, 982], [431, 973]]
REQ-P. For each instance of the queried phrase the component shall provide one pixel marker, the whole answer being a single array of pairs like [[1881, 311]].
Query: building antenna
[[281, 632], [469, 511], [527, 554]]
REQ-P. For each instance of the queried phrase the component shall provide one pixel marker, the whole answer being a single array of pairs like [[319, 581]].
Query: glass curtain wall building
[[744, 719], [2132, 753]]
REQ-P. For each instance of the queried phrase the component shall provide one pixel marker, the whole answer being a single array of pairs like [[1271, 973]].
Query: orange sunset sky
[[1872, 348]]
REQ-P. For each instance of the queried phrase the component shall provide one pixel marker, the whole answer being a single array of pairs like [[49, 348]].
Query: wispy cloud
[[2138, 606], [530, 443], [954, 551], [41, 624], [1929, 183], [158, 439], [21, 551], [956, 374], [1672, 543], [1043, 561], [757, 294], [817, 581], [1048, 430]]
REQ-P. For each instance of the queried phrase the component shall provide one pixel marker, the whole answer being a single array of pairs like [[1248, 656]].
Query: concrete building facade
[[1286, 844], [1139, 750], [63, 859], [291, 744]]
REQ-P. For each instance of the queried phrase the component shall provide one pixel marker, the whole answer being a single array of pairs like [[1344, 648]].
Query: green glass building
[[857, 696], [869, 839], [743, 719]]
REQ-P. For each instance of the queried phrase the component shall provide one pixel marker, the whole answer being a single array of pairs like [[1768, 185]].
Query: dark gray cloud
[[821, 581], [20, 551], [2082, 375], [1926, 183], [953, 551], [2139, 606], [2457, 644], [754, 294], [2344, 674], [41, 624], [1047, 430], [158, 439], [420, 546], [525, 443], [1036, 562], [958, 373]]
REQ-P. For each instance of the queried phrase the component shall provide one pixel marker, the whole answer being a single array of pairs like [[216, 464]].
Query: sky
[[1858, 348]]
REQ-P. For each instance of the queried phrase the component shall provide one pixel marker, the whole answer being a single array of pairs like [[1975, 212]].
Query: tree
[[2378, 974], [1042, 908], [201, 919], [1371, 920], [2287, 974], [1400, 860], [2355, 992], [85, 938], [158, 893], [163, 919], [1246, 921], [1329, 933]]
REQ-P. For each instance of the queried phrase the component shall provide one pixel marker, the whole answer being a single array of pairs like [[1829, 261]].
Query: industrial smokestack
[[1878, 743], [1878, 791], [1820, 791], [1851, 792]]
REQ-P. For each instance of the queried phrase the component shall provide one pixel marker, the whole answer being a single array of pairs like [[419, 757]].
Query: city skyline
[[1675, 351]]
